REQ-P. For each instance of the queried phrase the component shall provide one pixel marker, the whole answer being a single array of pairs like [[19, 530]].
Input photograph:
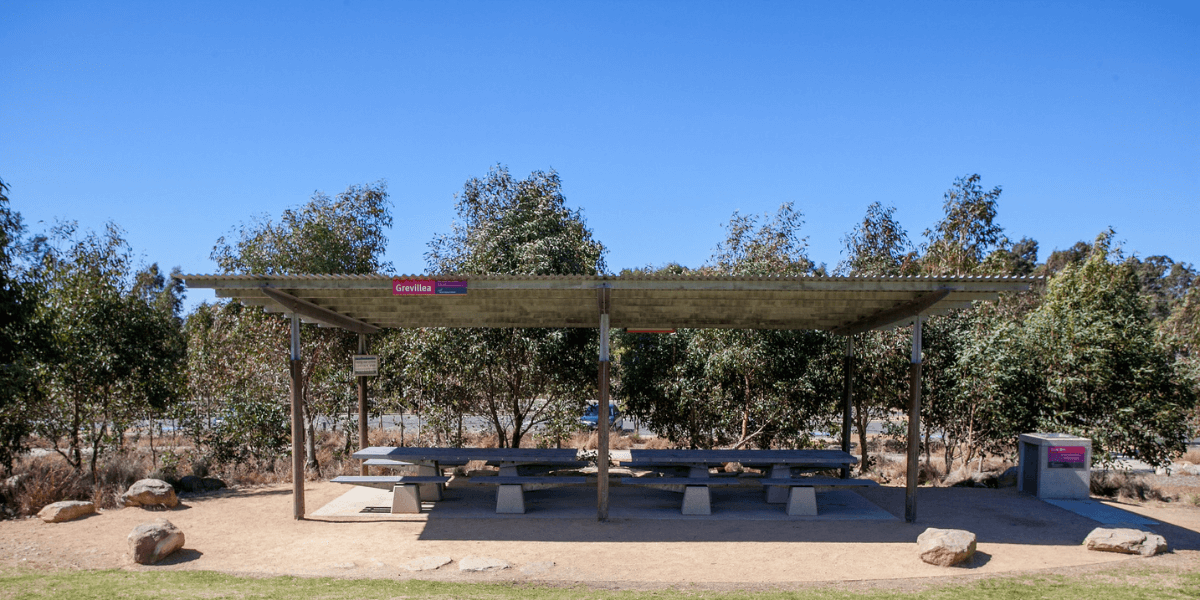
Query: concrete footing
[[802, 501], [406, 498], [696, 500], [430, 492], [510, 499], [778, 494]]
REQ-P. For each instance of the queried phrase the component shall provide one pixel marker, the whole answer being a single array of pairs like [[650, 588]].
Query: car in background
[[591, 416]]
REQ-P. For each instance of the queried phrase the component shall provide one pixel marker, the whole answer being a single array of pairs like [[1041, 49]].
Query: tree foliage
[[740, 388], [341, 235], [116, 339], [521, 378], [24, 338], [1105, 376]]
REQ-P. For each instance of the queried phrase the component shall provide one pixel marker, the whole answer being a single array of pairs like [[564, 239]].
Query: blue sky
[[180, 120]]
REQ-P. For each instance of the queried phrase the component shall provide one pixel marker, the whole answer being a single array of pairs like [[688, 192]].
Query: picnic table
[[519, 468], [798, 493]]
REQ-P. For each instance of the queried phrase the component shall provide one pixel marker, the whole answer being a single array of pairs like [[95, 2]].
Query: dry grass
[[1124, 486], [47, 479], [591, 441], [1191, 456], [658, 443]]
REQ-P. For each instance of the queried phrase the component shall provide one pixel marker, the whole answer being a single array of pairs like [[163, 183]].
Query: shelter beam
[[304, 308], [605, 298], [904, 311], [363, 441], [297, 423], [914, 426], [849, 404]]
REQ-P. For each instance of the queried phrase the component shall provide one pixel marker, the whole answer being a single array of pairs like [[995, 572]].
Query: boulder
[[150, 492], [1125, 541], [154, 541], [1008, 478], [481, 563], [65, 511], [537, 568], [14, 482], [946, 547], [190, 484]]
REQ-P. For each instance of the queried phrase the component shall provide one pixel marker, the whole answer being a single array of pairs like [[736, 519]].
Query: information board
[[366, 365], [1066, 457]]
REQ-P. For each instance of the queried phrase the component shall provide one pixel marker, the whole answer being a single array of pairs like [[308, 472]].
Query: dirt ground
[[251, 531]]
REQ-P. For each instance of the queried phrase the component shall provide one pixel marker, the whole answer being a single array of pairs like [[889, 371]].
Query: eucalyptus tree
[[1180, 332], [24, 339], [345, 234], [1092, 343], [117, 343], [235, 382], [959, 243], [878, 246], [522, 378], [737, 387]]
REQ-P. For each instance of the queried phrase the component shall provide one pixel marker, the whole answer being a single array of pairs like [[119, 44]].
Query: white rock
[[537, 568], [65, 511], [946, 547], [154, 541], [1126, 541], [481, 563], [150, 492], [428, 563]]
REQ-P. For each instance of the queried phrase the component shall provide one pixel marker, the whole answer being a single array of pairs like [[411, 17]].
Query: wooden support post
[[849, 405], [297, 423], [602, 410], [914, 426], [363, 442]]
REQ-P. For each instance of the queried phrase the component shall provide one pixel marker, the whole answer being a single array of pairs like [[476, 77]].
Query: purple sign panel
[[422, 287], [1066, 457], [450, 287]]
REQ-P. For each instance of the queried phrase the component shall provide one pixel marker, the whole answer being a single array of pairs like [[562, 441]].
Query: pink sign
[[412, 287], [421, 287], [1066, 457]]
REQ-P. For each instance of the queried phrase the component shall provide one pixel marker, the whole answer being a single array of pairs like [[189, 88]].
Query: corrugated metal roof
[[637, 301]]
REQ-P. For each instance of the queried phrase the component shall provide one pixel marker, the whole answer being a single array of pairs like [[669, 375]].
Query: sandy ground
[[251, 531]]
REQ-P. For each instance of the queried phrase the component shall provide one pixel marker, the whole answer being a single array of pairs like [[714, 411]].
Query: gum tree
[[345, 234], [521, 378]]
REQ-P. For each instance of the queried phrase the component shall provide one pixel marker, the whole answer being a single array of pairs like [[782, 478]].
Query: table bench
[[696, 497], [802, 491], [518, 468], [780, 464], [406, 489], [510, 489]]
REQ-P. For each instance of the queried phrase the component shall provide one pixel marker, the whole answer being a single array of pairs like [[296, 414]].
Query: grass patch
[[203, 585]]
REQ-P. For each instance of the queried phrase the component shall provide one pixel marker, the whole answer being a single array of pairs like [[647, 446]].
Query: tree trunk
[[863, 420], [310, 441]]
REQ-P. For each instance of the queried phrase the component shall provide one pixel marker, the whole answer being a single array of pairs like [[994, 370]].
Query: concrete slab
[[1100, 512], [633, 503]]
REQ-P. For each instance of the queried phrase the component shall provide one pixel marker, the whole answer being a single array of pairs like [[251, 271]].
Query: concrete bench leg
[[510, 499], [696, 500], [802, 501], [430, 492], [778, 494], [406, 499]]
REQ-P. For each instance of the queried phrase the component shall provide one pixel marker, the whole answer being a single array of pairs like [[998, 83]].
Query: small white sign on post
[[366, 365]]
